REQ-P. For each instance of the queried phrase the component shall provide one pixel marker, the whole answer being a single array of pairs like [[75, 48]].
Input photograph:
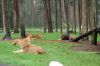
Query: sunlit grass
[[55, 51]]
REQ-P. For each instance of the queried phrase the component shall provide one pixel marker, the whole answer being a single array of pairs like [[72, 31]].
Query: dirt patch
[[86, 46]]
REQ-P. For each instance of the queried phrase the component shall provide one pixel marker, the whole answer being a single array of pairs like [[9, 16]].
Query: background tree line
[[80, 16]]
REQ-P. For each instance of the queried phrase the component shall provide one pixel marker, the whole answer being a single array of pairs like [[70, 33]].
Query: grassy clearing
[[55, 51]]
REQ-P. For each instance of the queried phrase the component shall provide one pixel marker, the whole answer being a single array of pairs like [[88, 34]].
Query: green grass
[[98, 38], [55, 51]]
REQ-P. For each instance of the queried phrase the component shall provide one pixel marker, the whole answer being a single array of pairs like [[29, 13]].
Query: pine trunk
[[6, 26], [22, 28], [66, 4]]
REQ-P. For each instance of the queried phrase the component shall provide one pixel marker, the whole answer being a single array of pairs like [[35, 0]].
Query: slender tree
[[93, 15], [96, 14], [50, 28], [80, 15], [22, 27], [95, 22], [66, 4], [1, 25], [32, 10], [75, 24], [84, 17], [45, 15], [56, 15], [5, 21], [45, 22], [15, 14], [60, 3], [87, 16]]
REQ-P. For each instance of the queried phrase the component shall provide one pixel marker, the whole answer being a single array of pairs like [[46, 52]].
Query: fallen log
[[86, 34]]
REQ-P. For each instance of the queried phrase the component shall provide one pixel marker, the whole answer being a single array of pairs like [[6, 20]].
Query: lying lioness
[[26, 47], [23, 41], [34, 36]]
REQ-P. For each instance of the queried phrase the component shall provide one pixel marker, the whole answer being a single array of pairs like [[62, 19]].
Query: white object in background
[[12, 32], [81, 26], [55, 63]]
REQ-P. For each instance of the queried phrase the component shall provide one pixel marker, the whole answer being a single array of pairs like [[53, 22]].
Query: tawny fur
[[26, 46], [34, 36], [33, 49], [23, 41]]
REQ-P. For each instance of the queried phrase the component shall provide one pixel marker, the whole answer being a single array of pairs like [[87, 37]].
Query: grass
[[55, 51], [98, 39]]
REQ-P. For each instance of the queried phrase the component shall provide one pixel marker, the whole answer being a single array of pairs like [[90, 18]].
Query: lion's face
[[17, 42]]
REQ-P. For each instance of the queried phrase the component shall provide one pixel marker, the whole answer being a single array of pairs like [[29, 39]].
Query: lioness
[[26, 46], [34, 36]]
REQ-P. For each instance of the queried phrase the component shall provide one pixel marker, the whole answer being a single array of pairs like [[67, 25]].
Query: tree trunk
[[74, 6], [94, 31], [15, 21], [66, 4], [23, 35], [32, 11], [60, 3], [94, 38], [56, 15], [45, 21], [85, 17], [45, 15], [1, 22], [80, 15], [93, 15], [94, 20], [96, 15], [6, 26], [50, 28]]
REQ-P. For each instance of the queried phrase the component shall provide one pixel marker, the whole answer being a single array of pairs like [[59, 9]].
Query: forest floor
[[81, 46], [86, 46], [68, 53]]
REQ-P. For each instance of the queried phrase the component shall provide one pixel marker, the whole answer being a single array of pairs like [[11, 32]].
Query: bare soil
[[81, 46], [86, 46]]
